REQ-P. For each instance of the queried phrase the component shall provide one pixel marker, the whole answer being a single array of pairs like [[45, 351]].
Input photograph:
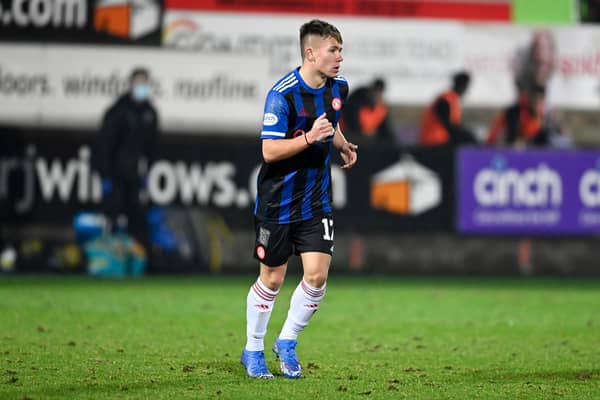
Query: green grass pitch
[[374, 337]]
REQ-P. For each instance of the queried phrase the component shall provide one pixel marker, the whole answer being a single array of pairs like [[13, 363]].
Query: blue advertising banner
[[540, 192]]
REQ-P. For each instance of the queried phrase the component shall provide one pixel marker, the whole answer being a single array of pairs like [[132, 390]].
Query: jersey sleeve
[[275, 117]]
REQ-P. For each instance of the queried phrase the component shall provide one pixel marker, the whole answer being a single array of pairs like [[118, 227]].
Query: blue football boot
[[255, 364], [285, 350]]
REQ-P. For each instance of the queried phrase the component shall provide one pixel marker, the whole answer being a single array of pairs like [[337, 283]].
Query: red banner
[[481, 10]]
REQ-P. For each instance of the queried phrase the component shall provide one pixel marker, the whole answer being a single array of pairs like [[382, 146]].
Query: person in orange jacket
[[366, 114], [441, 122], [521, 124]]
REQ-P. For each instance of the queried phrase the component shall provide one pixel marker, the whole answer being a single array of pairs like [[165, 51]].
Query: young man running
[[293, 213]]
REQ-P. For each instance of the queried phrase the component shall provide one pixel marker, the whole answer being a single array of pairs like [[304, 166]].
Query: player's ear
[[309, 54]]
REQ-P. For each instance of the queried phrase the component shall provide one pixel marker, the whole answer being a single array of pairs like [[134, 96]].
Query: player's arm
[[281, 149], [347, 149], [277, 150]]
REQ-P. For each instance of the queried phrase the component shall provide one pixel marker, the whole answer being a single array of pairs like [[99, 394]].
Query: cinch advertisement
[[539, 192]]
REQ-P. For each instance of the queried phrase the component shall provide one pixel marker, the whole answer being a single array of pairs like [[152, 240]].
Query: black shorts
[[275, 243]]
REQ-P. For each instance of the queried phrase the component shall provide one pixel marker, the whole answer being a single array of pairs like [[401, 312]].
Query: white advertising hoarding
[[214, 69], [577, 79], [73, 85], [416, 58], [492, 54], [413, 57]]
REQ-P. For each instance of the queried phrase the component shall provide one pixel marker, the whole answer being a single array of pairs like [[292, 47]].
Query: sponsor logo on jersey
[[270, 119]]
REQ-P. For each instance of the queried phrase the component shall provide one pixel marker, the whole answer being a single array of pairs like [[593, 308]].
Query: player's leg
[[314, 242], [307, 295], [259, 304], [272, 249]]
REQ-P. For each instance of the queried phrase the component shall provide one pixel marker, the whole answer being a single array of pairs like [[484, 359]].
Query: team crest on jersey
[[270, 119], [336, 103]]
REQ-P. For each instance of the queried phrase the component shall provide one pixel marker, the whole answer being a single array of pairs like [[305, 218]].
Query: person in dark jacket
[[125, 147]]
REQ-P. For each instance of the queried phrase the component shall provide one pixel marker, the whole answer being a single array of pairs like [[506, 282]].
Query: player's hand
[[349, 154], [321, 129]]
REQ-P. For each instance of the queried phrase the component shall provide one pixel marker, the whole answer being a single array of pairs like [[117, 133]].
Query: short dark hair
[[139, 71], [460, 81], [319, 28], [378, 84], [461, 78]]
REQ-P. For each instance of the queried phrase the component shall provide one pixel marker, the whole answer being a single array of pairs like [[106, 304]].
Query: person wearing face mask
[[124, 147]]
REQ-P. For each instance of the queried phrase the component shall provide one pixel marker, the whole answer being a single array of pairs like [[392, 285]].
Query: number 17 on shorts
[[327, 228]]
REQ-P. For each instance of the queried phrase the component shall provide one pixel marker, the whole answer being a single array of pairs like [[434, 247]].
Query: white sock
[[259, 305], [305, 302]]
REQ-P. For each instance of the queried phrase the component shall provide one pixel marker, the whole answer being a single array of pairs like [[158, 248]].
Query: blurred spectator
[[126, 140], [531, 121], [521, 124], [536, 63], [366, 114], [441, 122]]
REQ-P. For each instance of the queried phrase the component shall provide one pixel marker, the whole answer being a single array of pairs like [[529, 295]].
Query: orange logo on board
[[127, 18], [405, 188]]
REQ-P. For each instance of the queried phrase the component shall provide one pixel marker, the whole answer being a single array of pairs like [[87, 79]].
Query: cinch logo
[[406, 188], [503, 186], [127, 18], [589, 187]]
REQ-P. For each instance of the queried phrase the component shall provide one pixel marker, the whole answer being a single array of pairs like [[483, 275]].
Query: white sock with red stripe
[[259, 305], [305, 302]]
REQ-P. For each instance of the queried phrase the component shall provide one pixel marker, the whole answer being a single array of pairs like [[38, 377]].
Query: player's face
[[328, 56]]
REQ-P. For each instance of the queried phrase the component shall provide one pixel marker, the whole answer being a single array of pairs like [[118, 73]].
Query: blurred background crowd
[[129, 133]]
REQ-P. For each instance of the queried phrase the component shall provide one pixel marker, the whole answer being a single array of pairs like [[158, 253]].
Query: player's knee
[[317, 279], [272, 281]]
